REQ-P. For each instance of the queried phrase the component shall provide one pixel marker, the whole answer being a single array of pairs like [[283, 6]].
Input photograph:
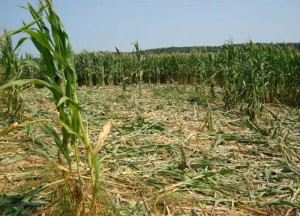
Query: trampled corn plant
[[12, 70], [51, 40]]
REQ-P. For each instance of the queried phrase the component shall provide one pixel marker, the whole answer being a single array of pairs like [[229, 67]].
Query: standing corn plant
[[121, 71], [139, 72], [11, 64], [51, 40]]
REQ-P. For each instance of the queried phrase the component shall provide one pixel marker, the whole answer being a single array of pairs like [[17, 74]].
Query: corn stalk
[[57, 67], [12, 67]]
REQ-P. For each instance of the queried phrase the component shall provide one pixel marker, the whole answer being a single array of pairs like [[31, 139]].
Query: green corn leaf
[[31, 63], [64, 99], [67, 128], [24, 82], [52, 132], [28, 197], [20, 42], [9, 200], [39, 36], [28, 25]]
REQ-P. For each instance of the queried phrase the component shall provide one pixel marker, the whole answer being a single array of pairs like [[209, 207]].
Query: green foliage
[[12, 70], [249, 73], [257, 74], [57, 67], [169, 50]]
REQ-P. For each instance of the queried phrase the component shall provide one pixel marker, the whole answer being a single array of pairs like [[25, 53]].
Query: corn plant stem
[[95, 186], [88, 148], [93, 164]]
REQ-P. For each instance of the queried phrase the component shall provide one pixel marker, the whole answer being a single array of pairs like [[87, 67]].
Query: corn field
[[268, 73], [115, 133]]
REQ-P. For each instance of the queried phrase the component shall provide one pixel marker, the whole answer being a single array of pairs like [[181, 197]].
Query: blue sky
[[103, 24]]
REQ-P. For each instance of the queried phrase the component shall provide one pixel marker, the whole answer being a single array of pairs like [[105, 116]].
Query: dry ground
[[171, 152]]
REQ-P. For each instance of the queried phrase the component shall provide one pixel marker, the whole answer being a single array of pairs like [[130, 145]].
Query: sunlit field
[[169, 151], [114, 133]]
